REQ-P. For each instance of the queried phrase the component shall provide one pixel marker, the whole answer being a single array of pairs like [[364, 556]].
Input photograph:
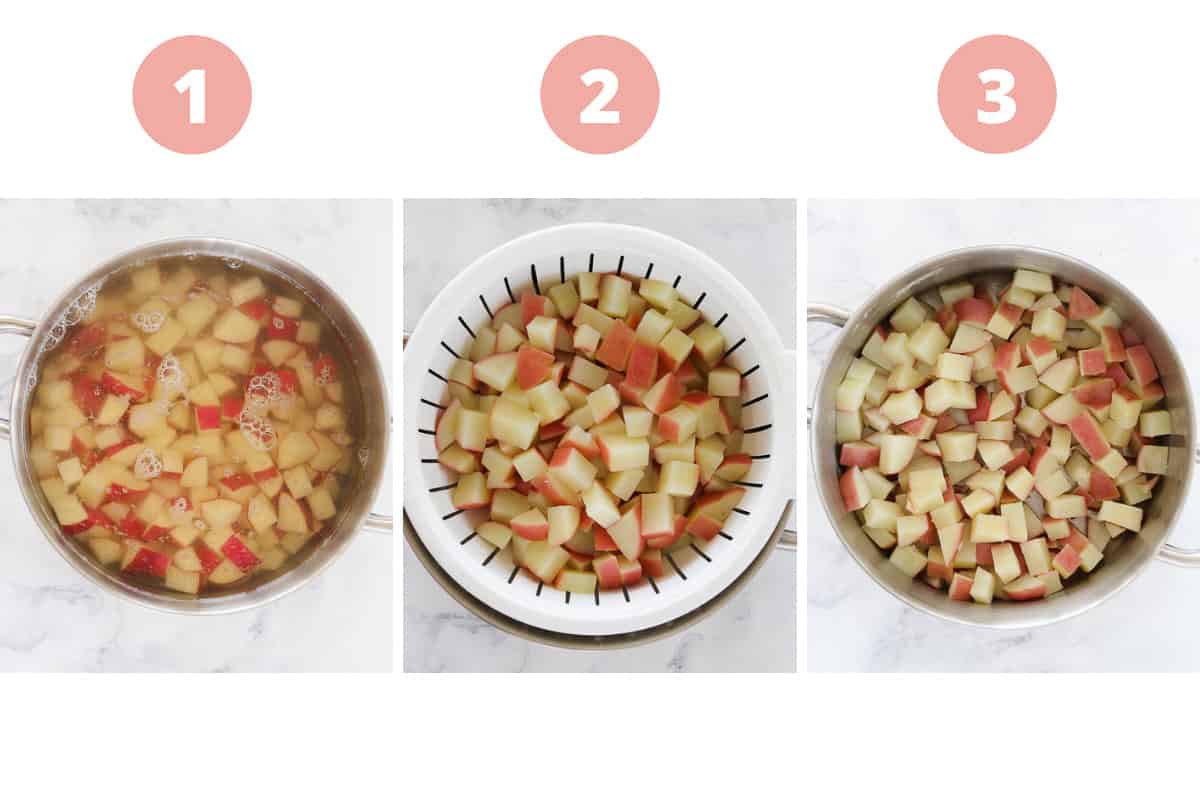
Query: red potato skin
[[983, 405], [983, 555], [1008, 356], [1026, 592], [532, 305], [114, 385], [208, 417], [615, 347], [608, 571], [652, 564], [1081, 305], [1092, 362], [241, 556], [960, 587], [1112, 345], [703, 526], [1101, 487], [859, 454], [533, 366], [1118, 374], [851, 484], [604, 542], [1087, 431], [150, 562], [1141, 365], [1067, 561], [1095, 394], [974, 310], [643, 366], [1019, 460]]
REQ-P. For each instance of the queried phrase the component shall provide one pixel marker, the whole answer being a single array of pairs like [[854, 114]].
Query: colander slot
[[675, 285], [562, 269], [469, 538], [741, 511], [427, 432], [512, 575], [567, 595], [700, 552], [441, 407], [445, 488], [491, 555], [740, 342], [725, 536], [749, 403], [470, 332], [625, 592], [439, 377], [508, 289], [757, 428], [699, 300], [653, 585], [760, 458], [620, 264], [452, 514], [538, 593], [533, 274], [429, 461], [450, 350], [748, 484], [649, 269], [750, 371], [591, 262], [724, 317], [485, 308], [671, 560]]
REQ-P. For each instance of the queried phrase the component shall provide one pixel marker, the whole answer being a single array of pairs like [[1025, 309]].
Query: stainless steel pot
[[1126, 556], [375, 425]]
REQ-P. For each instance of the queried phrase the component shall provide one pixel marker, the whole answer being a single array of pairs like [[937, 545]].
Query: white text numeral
[[1006, 106], [595, 113], [192, 84]]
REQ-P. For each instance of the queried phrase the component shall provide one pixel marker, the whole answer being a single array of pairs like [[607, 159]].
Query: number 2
[[595, 113], [1007, 107], [192, 84]]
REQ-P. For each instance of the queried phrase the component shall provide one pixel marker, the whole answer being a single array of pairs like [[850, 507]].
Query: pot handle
[[21, 327], [1181, 556], [378, 523], [830, 315]]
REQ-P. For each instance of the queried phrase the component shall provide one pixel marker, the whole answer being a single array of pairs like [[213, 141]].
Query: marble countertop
[[756, 240], [53, 619], [855, 246]]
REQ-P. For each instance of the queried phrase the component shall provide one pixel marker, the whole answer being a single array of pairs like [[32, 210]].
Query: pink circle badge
[[599, 94], [997, 94], [191, 94]]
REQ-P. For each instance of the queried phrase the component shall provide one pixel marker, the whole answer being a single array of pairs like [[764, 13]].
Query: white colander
[[696, 576]]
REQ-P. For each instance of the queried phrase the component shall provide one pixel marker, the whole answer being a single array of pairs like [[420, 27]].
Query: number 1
[[192, 84], [595, 113]]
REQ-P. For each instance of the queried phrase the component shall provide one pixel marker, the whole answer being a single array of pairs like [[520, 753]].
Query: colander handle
[[830, 315], [21, 327], [1181, 556]]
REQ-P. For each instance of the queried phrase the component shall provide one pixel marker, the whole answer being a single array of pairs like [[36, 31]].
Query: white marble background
[[756, 240], [53, 619], [1153, 247]]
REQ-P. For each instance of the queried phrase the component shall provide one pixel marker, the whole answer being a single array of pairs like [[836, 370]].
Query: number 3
[[595, 113], [192, 84], [1007, 107]]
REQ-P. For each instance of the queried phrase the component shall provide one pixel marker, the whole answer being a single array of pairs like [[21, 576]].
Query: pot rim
[[301, 573], [899, 287]]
